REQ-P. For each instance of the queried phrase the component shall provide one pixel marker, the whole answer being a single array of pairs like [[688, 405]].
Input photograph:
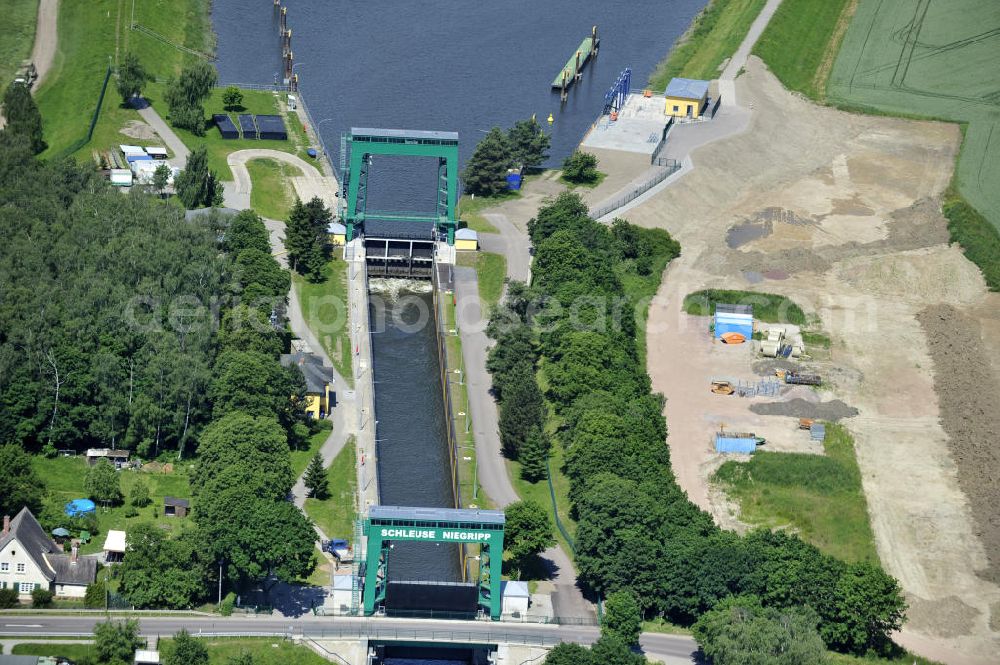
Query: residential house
[[318, 379], [30, 559]]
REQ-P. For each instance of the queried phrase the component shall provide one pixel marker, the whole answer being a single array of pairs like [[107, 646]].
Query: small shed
[[227, 129], [157, 152], [732, 322], [147, 657], [116, 457], [342, 593], [174, 507], [120, 177], [515, 598], [114, 545], [132, 150], [247, 126], [337, 233], [735, 442], [466, 239], [686, 98], [272, 127]]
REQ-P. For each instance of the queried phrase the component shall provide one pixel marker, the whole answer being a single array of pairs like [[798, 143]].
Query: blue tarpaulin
[[78, 507]]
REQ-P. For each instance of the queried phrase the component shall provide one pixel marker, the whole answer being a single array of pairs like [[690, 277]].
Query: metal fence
[[669, 167], [93, 118], [270, 87], [663, 140]]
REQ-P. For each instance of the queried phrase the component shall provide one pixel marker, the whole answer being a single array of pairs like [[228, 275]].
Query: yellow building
[[466, 239], [686, 98], [318, 379], [338, 233]]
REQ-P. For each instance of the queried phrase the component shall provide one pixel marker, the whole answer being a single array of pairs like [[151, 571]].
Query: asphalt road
[[671, 648]]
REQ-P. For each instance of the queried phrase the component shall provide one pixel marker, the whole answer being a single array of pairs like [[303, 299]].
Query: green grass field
[[300, 458], [800, 43], [272, 194], [64, 478], [818, 496], [935, 59], [468, 483], [491, 270], [324, 306], [767, 307], [266, 651], [713, 36], [17, 35], [91, 35], [336, 514]]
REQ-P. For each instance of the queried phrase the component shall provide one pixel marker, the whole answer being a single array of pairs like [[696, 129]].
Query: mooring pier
[[574, 66]]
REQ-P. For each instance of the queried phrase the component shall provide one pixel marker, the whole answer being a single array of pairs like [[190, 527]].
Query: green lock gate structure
[[363, 142], [459, 526]]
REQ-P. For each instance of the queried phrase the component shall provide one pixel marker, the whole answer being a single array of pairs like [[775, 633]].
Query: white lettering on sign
[[432, 534]]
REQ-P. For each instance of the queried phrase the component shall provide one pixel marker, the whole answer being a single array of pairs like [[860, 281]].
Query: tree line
[[636, 529]]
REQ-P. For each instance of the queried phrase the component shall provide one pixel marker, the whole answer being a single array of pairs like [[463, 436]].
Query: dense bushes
[[767, 307], [636, 530], [979, 239]]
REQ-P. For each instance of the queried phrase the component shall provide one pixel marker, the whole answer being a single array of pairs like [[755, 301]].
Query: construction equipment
[[806, 423], [723, 387], [799, 379]]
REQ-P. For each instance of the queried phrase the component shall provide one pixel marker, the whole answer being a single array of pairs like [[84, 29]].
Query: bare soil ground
[[859, 241]]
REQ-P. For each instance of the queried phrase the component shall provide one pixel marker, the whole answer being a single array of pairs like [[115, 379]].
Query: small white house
[[515, 598], [30, 560], [147, 657]]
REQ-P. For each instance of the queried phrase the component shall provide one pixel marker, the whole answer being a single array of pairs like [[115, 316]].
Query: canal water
[[414, 468], [445, 65]]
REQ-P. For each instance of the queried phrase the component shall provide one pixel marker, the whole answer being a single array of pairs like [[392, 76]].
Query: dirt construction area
[[851, 231]]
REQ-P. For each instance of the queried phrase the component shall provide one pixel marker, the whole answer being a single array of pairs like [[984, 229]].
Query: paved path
[[310, 184], [672, 649], [686, 138], [160, 126]]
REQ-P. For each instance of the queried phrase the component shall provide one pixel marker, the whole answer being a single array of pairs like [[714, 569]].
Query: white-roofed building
[[114, 545], [466, 239]]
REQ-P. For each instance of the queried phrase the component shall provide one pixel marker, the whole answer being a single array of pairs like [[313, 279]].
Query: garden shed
[[174, 507]]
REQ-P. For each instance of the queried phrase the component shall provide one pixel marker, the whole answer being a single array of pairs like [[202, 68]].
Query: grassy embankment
[[767, 307], [300, 458], [64, 480], [820, 497], [713, 37], [801, 42], [91, 35], [266, 651], [17, 35], [324, 306], [272, 194], [491, 270], [336, 514], [470, 210]]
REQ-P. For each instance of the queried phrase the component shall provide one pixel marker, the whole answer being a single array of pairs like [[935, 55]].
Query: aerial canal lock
[[422, 556]]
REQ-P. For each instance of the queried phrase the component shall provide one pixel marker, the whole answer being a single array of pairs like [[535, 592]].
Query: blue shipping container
[[513, 181], [735, 443]]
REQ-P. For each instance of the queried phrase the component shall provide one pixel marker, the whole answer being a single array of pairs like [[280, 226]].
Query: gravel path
[[46, 42]]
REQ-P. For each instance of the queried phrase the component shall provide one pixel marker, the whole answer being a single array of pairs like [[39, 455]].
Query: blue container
[[78, 507], [311, 152], [735, 444], [513, 181]]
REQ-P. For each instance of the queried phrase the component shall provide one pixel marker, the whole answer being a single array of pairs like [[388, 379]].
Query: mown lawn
[[64, 481], [266, 651], [818, 496], [17, 36], [767, 307], [799, 44], [336, 514], [470, 210], [491, 270], [714, 36], [469, 492], [91, 35], [272, 194], [324, 306], [300, 458]]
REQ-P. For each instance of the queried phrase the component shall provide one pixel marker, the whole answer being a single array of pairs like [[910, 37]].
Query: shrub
[[227, 604], [767, 307], [96, 596], [979, 239], [580, 167], [8, 598], [41, 597]]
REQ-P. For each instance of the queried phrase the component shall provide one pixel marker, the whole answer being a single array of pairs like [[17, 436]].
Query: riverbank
[[708, 43]]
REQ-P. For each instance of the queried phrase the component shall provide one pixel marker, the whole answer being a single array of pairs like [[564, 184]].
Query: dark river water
[[449, 65], [454, 65]]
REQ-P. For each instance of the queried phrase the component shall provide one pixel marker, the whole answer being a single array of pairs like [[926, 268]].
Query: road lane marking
[[22, 625]]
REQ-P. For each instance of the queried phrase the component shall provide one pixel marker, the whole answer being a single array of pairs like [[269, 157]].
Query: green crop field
[[932, 58]]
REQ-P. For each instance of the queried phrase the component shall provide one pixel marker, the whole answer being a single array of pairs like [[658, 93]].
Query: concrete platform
[[638, 128]]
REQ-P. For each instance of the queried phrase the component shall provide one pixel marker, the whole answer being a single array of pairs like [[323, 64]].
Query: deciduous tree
[[622, 617], [569, 653], [102, 483], [161, 178], [521, 409], [186, 93], [580, 167], [115, 642], [162, 572], [132, 77], [245, 452], [20, 486], [186, 650], [528, 531], [246, 230], [232, 98]]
